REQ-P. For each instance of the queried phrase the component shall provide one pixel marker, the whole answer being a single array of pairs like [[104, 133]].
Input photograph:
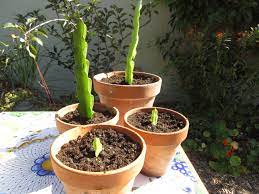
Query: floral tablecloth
[[25, 139]]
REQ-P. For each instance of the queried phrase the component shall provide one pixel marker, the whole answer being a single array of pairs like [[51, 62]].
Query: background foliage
[[109, 31], [215, 52]]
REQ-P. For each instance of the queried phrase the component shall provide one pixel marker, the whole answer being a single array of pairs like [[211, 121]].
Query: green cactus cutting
[[81, 69], [133, 45]]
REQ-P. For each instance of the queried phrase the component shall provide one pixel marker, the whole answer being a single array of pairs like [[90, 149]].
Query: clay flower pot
[[161, 147], [109, 182], [126, 97], [63, 126]]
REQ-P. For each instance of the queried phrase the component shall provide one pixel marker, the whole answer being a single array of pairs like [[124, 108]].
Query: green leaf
[[220, 128], [257, 126], [4, 44], [9, 25], [30, 20], [234, 132], [253, 142], [36, 39], [14, 36], [154, 117], [41, 32], [234, 171], [32, 51], [216, 150], [190, 144], [219, 166], [203, 145], [97, 145], [213, 165], [221, 125], [235, 161], [206, 134]]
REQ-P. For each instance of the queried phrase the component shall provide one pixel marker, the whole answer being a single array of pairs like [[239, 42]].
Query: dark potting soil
[[138, 79], [166, 122], [118, 151], [74, 118]]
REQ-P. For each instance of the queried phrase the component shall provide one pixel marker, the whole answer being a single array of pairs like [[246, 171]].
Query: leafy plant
[[83, 82], [19, 68], [97, 146], [3, 62], [107, 37], [253, 154], [154, 117], [26, 34], [9, 99], [133, 45], [212, 15], [214, 54]]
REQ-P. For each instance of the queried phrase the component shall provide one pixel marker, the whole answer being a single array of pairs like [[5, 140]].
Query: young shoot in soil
[[81, 69], [133, 45], [97, 145], [154, 117]]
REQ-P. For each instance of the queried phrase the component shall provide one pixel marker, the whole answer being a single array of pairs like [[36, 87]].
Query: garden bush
[[109, 31], [215, 53]]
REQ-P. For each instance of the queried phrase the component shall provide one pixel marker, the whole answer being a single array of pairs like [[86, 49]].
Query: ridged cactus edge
[[133, 45], [81, 70]]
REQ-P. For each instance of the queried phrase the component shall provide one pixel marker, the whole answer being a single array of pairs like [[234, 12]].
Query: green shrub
[[214, 51], [19, 69], [109, 31], [10, 99]]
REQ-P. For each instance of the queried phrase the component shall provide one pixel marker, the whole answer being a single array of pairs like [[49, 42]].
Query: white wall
[[148, 58]]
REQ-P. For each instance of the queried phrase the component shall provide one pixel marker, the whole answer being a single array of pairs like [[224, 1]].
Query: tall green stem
[[133, 45], [81, 69]]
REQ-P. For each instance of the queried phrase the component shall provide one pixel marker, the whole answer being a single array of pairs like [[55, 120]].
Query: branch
[[44, 23]]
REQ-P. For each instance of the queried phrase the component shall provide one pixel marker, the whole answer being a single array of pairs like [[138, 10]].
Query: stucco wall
[[148, 59]]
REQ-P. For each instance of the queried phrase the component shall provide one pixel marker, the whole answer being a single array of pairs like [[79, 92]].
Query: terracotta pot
[[118, 181], [161, 147], [63, 126], [126, 97]]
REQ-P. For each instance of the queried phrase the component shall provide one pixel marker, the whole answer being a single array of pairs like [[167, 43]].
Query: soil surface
[[74, 118], [166, 122], [118, 151], [138, 79], [217, 183]]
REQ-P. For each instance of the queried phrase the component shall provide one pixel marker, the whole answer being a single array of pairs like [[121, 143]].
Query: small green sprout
[[154, 117], [97, 145]]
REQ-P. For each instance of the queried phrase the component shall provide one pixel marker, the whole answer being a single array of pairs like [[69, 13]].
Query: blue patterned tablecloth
[[25, 139]]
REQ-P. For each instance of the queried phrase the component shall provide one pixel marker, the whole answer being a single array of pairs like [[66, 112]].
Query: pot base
[[158, 160], [114, 190]]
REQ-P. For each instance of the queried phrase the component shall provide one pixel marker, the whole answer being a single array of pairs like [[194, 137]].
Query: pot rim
[[116, 117], [159, 79], [139, 109], [108, 173]]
